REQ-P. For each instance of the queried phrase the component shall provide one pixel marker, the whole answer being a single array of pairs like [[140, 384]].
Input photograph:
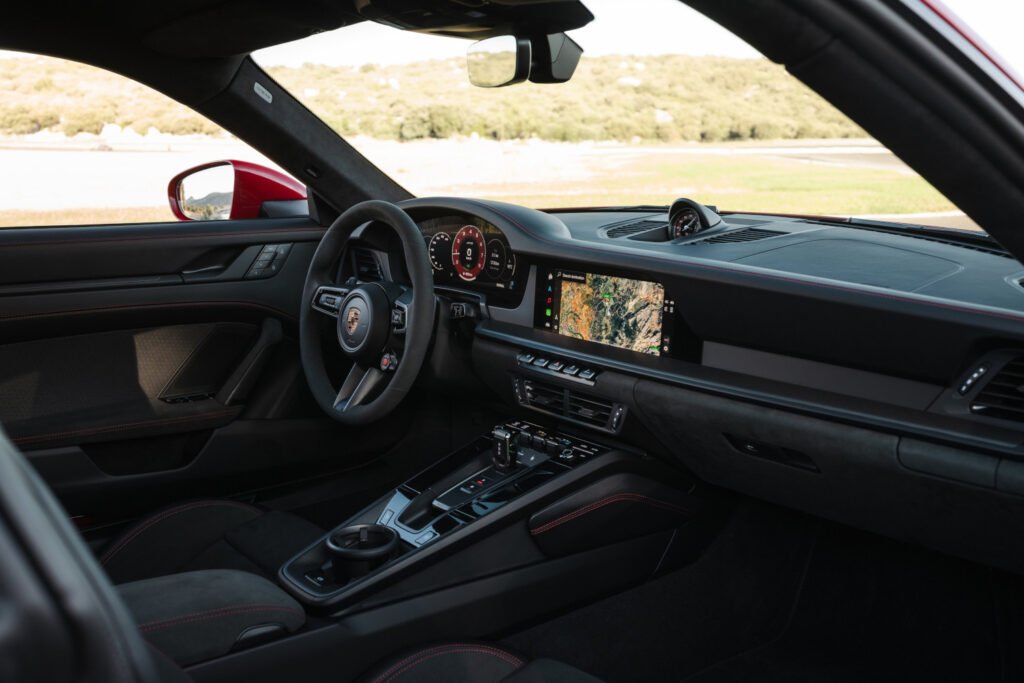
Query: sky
[[669, 27]]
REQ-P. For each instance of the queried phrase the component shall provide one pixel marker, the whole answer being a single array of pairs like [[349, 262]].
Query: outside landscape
[[740, 134], [612, 310]]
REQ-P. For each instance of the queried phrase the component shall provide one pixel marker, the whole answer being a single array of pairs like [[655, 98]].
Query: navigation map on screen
[[608, 310]]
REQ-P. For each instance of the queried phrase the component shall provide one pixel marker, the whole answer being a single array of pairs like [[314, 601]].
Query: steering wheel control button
[[330, 301], [389, 362]]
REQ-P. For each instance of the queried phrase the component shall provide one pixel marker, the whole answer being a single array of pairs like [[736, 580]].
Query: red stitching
[[617, 498], [215, 614], [78, 311], [136, 238], [125, 425], [117, 547], [415, 660]]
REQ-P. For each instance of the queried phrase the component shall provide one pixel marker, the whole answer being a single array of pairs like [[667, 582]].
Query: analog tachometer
[[440, 251]]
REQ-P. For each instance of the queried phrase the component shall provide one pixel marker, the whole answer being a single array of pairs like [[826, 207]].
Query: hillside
[[665, 98]]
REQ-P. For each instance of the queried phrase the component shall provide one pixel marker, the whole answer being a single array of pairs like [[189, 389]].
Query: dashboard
[[856, 373]]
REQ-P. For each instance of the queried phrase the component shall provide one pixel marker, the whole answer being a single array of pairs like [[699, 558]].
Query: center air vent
[[634, 227], [591, 411], [745, 235], [367, 265], [1003, 396]]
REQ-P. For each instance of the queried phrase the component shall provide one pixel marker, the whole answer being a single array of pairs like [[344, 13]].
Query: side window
[[84, 146]]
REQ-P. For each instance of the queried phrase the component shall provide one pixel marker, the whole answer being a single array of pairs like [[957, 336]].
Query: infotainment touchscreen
[[629, 314]]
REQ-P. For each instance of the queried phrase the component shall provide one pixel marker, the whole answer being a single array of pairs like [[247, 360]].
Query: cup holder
[[356, 551]]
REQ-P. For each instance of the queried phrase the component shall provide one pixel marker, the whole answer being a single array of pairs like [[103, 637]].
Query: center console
[[454, 494]]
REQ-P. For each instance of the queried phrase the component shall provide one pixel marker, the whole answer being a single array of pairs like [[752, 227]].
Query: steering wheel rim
[[418, 305]]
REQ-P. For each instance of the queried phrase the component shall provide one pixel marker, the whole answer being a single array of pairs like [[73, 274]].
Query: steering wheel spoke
[[328, 298], [358, 386]]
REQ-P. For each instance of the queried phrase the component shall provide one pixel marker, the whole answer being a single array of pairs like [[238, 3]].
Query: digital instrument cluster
[[469, 252]]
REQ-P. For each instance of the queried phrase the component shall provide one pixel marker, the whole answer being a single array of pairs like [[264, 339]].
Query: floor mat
[[737, 596], [782, 597]]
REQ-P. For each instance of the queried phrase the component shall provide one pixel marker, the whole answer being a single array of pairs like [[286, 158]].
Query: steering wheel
[[383, 327]]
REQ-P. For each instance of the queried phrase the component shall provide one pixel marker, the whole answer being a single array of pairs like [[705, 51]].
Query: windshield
[[664, 104]]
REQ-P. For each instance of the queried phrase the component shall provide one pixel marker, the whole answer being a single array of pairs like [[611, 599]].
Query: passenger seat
[[472, 663]]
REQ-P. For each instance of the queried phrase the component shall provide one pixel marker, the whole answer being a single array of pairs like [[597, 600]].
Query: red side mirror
[[229, 189]]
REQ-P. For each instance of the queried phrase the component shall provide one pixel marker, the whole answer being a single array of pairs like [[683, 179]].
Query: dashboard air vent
[[367, 265], [745, 235], [541, 395], [595, 411], [591, 411], [634, 227], [1003, 396]]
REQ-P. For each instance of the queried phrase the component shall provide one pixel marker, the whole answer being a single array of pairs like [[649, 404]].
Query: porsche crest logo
[[352, 320]]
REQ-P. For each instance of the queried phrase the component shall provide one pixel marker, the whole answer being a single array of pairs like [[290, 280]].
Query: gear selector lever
[[505, 447]]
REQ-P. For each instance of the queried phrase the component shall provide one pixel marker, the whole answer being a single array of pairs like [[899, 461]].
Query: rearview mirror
[[231, 189], [499, 61], [504, 60]]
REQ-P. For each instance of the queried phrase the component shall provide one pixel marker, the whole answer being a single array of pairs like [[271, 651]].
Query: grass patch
[[16, 218], [738, 183]]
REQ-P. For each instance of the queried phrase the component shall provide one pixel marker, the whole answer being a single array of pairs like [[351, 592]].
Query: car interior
[[349, 434]]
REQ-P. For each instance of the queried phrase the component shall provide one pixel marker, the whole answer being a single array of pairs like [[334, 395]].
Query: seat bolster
[[165, 541], [472, 663], [448, 663], [549, 671], [196, 616]]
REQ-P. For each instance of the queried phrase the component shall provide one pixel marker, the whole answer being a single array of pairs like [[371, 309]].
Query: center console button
[[571, 370], [425, 538], [541, 362], [555, 366], [526, 358], [587, 374]]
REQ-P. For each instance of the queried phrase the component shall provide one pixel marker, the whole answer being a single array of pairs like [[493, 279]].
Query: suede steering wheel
[[383, 327]]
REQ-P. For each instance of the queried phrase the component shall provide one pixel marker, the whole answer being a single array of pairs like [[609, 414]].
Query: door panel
[[116, 343], [125, 383]]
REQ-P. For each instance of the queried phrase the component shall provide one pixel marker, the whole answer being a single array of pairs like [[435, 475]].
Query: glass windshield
[[664, 104]]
